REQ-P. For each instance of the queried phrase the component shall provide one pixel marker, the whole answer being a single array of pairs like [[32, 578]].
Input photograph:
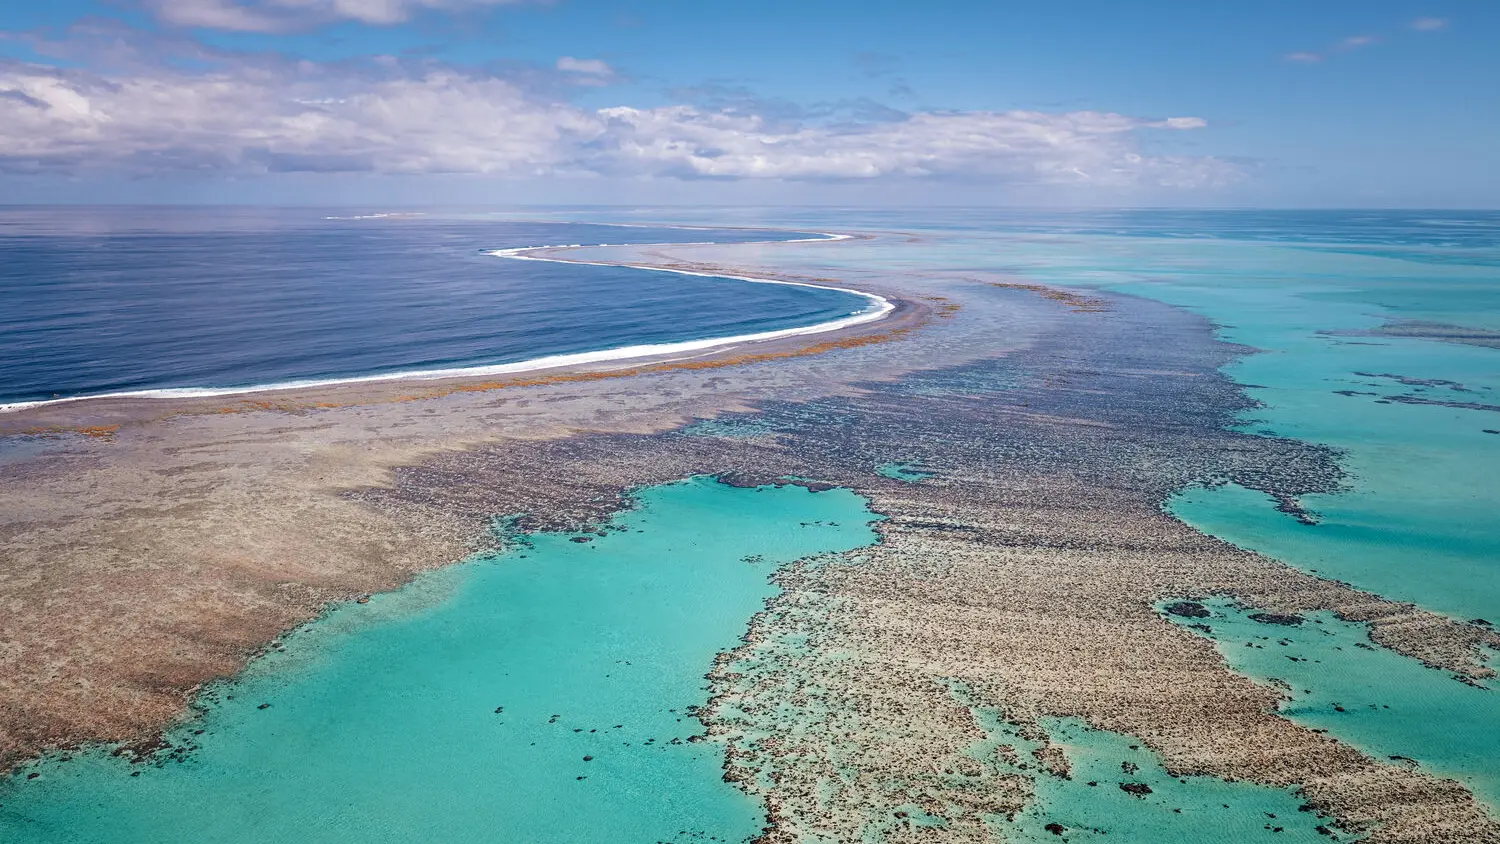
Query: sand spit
[[1028, 568]]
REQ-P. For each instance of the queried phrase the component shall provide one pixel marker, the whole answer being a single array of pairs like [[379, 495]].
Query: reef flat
[[1026, 570]]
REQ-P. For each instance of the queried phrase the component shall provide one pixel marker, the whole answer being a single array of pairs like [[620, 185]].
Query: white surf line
[[883, 307], [821, 236]]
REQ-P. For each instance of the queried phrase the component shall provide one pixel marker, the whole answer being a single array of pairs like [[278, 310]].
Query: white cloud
[[594, 67], [302, 116], [1429, 24], [267, 120], [592, 72], [1354, 42], [1092, 148], [281, 15]]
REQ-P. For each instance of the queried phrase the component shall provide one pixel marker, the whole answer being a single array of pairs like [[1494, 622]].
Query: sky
[[1317, 103]]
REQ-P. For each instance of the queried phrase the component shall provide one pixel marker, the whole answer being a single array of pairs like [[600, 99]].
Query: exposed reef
[[1423, 330]]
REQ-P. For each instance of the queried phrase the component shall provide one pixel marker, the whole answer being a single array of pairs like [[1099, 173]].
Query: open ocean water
[[97, 301]]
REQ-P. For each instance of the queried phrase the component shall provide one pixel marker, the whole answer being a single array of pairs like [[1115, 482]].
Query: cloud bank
[[390, 118]]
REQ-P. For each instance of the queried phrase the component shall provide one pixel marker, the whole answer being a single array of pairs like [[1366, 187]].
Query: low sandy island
[[152, 545]]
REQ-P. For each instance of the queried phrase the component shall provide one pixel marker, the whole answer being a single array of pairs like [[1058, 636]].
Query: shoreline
[[882, 307]]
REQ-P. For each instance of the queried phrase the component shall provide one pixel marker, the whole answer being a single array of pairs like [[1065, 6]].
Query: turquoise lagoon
[[1091, 805], [542, 694], [1393, 707], [1412, 418], [1116, 789]]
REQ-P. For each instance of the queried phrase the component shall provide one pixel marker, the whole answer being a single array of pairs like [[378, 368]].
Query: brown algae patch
[[1076, 302]]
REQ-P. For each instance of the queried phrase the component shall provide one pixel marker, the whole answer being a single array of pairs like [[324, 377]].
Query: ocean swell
[[879, 308]]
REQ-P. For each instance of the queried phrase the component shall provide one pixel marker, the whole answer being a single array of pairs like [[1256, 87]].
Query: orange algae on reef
[[98, 432], [1076, 302]]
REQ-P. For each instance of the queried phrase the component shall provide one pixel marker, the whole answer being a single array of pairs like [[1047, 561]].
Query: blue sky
[[1377, 103]]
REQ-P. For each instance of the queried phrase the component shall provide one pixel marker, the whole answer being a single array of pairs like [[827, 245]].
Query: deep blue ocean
[[106, 300]]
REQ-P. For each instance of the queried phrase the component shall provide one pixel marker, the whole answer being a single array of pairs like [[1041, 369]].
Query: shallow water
[[538, 695], [909, 472], [1417, 520], [1445, 564], [1304, 287], [1090, 804], [103, 300], [1391, 706], [1409, 416]]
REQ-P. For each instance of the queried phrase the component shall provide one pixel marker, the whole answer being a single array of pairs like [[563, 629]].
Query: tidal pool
[[543, 694], [909, 472]]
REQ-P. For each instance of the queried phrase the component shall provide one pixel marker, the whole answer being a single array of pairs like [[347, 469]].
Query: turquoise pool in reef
[[909, 472], [1393, 707], [1115, 789], [538, 695], [1118, 791]]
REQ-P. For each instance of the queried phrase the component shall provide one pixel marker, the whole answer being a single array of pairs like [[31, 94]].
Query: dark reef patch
[[1188, 609]]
